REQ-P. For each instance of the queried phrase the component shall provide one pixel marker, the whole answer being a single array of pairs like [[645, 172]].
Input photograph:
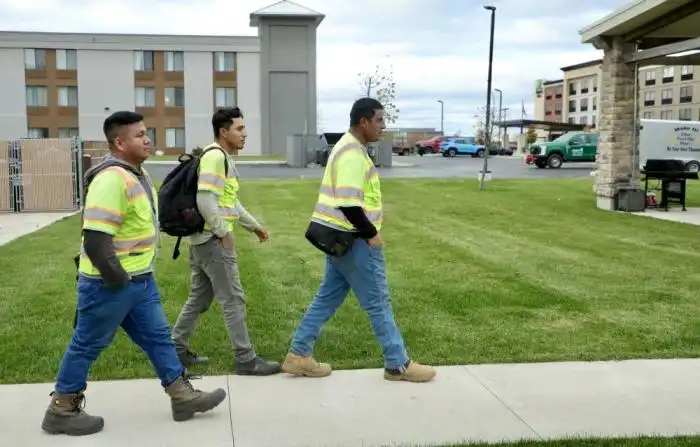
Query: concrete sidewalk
[[15, 225], [486, 403]]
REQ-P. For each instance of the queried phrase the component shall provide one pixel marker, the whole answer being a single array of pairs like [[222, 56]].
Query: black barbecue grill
[[672, 176]]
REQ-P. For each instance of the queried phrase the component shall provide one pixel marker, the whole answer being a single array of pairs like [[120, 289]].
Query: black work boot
[[65, 415], [257, 367], [189, 358], [186, 400]]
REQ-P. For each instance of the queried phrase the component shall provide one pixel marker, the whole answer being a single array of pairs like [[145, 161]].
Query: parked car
[[497, 149], [431, 145], [451, 147]]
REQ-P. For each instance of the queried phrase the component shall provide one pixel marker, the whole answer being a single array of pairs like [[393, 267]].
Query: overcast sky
[[438, 48]]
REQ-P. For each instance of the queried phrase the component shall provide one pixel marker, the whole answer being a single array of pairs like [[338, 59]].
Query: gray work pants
[[215, 274]]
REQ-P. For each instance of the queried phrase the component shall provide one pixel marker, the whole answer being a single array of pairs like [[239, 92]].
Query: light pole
[[500, 112], [488, 100], [442, 116]]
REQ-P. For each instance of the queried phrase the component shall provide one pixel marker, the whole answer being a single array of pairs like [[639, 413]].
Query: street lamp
[[488, 99], [442, 116]]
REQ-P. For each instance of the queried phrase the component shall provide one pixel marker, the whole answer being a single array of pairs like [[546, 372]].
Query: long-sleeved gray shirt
[[208, 204]]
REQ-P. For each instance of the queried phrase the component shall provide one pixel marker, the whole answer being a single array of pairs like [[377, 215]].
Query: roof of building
[[285, 9], [538, 124], [553, 81], [582, 65]]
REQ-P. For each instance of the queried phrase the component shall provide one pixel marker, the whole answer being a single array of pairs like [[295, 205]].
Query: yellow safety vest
[[350, 179], [214, 178], [117, 203]]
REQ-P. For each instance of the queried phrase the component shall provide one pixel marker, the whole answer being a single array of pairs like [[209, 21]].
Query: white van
[[667, 139]]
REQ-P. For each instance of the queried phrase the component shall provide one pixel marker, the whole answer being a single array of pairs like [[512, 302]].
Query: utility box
[[384, 153], [630, 199], [296, 151]]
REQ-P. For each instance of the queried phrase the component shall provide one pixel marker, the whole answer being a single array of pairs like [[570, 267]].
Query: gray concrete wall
[[198, 105], [287, 80], [248, 99], [13, 96], [105, 85]]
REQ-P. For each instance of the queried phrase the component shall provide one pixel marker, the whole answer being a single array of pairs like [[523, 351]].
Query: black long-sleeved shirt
[[356, 216]]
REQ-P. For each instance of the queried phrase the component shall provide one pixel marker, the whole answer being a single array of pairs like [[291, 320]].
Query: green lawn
[[273, 157], [685, 441], [524, 271]]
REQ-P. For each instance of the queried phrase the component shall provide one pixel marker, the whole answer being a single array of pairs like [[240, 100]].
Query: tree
[[480, 125], [380, 85], [531, 135]]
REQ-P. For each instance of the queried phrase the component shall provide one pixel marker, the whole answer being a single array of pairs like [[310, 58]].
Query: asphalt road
[[413, 167]]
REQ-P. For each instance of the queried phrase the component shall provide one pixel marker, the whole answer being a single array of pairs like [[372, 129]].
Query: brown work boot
[[305, 366], [412, 372], [186, 400], [65, 415]]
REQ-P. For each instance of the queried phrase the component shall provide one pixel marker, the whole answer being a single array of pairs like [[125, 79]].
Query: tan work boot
[[186, 400], [65, 415], [305, 366], [414, 372]]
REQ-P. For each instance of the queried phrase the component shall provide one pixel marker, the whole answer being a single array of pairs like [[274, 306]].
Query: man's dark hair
[[114, 123], [364, 108], [223, 118]]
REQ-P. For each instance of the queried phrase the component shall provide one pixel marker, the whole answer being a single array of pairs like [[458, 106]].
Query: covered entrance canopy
[[551, 126], [644, 32]]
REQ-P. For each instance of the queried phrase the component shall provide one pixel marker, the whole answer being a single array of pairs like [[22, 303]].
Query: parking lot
[[431, 166]]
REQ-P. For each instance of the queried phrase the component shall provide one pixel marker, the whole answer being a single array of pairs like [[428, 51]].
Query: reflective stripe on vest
[[136, 249], [330, 214], [228, 210]]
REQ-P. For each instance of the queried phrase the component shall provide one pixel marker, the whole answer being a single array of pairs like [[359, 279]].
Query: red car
[[431, 145]]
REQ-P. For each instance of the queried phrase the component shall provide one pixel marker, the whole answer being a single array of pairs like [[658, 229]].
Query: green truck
[[572, 147]]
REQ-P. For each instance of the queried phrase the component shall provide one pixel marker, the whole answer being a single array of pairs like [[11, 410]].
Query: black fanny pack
[[329, 240]]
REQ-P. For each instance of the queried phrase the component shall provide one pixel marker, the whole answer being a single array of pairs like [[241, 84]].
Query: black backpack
[[177, 199]]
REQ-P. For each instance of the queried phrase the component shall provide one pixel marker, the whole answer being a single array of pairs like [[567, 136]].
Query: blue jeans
[[362, 270], [137, 309]]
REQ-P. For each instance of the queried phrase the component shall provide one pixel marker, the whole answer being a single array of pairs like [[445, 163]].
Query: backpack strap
[[215, 147]]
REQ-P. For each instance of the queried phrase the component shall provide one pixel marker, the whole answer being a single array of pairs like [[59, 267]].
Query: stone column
[[616, 160]]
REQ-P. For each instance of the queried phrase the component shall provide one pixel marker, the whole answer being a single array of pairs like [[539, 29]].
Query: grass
[[684, 441], [524, 271], [272, 157]]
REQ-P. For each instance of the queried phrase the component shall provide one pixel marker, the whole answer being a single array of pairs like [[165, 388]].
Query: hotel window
[[37, 132], [174, 97], [174, 61], [143, 61], [151, 132], [584, 86], [66, 60], [225, 97], [686, 72], [572, 105], [572, 88], [175, 137], [667, 96], [668, 75], [67, 132], [34, 59], [68, 96], [650, 77], [649, 98], [666, 114], [584, 105], [37, 96], [648, 115], [686, 94], [224, 61], [685, 114], [145, 97]]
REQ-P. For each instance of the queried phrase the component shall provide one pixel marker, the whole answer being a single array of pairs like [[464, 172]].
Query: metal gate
[[41, 175]]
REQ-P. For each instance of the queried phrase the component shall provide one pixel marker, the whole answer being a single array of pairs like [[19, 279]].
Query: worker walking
[[116, 286], [213, 262], [345, 225]]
